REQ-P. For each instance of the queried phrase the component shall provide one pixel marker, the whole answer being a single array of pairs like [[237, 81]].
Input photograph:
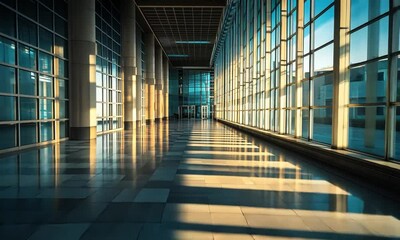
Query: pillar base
[[165, 118], [149, 121], [130, 125], [82, 133], [158, 120]]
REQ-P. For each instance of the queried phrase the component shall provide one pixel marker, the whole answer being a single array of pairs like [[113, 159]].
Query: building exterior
[[322, 71]]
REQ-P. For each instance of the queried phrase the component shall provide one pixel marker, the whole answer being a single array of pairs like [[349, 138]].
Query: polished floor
[[184, 180]]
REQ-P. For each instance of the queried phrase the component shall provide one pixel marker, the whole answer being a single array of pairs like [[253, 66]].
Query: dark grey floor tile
[[132, 212]]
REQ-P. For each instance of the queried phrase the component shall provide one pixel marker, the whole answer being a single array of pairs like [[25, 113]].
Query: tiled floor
[[184, 180]]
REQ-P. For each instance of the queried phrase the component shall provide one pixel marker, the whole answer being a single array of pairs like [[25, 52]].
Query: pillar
[[340, 111], [83, 69], [140, 105], [128, 35], [159, 111], [166, 86], [150, 77], [282, 69]]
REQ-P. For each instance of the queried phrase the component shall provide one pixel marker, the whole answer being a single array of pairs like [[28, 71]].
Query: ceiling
[[186, 29]]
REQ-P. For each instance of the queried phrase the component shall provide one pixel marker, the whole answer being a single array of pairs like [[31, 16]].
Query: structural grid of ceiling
[[186, 29]]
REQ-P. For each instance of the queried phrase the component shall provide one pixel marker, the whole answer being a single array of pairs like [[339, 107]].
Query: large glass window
[[27, 31], [7, 79], [27, 57], [8, 138], [8, 108], [27, 82], [7, 51], [28, 108], [28, 133], [7, 23]]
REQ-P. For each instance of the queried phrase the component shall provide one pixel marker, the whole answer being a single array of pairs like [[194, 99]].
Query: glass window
[[367, 129], [369, 42], [320, 5], [306, 11], [61, 68], [8, 108], [322, 125], [63, 89], [63, 109], [61, 47], [27, 57], [45, 40], [323, 60], [45, 86], [368, 82], [324, 26], [398, 78], [48, 3], [7, 51], [7, 79], [46, 131], [61, 26], [27, 82], [396, 144], [27, 31], [64, 129], [7, 133], [27, 109], [305, 122], [46, 109], [61, 8], [7, 23], [322, 95], [45, 63], [370, 10], [45, 17], [28, 8], [28, 133]]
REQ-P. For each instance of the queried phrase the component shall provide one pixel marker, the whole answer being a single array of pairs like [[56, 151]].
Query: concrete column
[[282, 69], [340, 111], [150, 77], [82, 69], [128, 34], [166, 86], [299, 68], [268, 66], [371, 76], [159, 111], [140, 108]]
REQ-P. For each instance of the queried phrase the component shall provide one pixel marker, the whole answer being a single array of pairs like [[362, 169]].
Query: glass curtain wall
[[33, 72], [306, 90], [108, 67]]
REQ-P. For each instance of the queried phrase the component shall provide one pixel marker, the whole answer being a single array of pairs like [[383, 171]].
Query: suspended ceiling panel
[[185, 28]]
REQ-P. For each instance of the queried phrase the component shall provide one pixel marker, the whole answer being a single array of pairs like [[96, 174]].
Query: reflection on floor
[[183, 180]]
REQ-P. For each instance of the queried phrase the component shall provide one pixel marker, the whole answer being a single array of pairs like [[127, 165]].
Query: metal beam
[[181, 3]]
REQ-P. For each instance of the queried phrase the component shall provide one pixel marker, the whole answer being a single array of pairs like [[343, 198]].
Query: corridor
[[184, 180]]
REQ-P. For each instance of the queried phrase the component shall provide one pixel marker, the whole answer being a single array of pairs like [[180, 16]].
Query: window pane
[[7, 51], [27, 31], [28, 133], [7, 23], [28, 8], [45, 86], [46, 109], [45, 63], [8, 108], [368, 83], [7, 79], [45, 17], [320, 5], [396, 144], [27, 57], [369, 42], [323, 90], [323, 60], [324, 26], [45, 40], [7, 133], [63, 89], [27, 108], [61, 26], [46, 131], [61, 68], [61, 47], [27, 82], [305, 121], [370, 10], [322, 125], [64, 109], [64, 129], [306, 93], [398, 78], [367, 129]]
